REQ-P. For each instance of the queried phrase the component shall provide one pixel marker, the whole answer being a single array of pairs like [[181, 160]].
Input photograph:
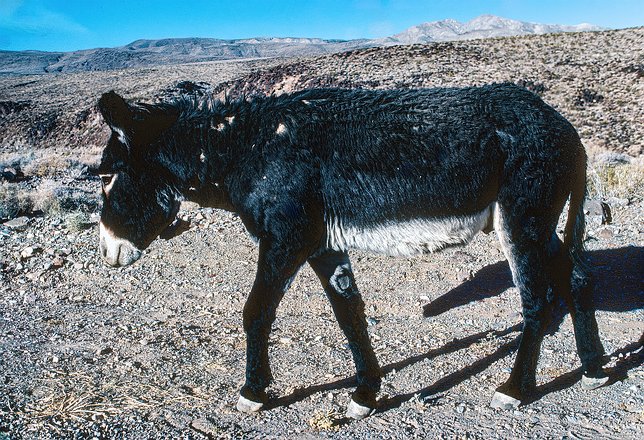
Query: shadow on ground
[[619, 287], [617, 274]]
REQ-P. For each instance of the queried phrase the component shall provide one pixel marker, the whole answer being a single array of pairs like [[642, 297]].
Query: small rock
[[605, 233], [617, 201], [29, 298], [372, 321], [599, 209], [17, 224], [29, 252], [205, 427], [57, 262], [78, 266], [11, 174], [103, 351], [464, 274]]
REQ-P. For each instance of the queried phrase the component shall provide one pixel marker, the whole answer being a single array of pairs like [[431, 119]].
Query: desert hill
[[146, 53], [600, 90]]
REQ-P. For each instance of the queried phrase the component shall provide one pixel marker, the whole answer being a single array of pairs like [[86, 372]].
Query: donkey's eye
[[106, 179]]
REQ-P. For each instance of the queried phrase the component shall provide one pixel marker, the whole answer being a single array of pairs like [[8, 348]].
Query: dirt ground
[[156, 350]]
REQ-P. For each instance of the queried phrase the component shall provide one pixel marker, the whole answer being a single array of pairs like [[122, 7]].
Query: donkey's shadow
[[617, 275], [619, 287]]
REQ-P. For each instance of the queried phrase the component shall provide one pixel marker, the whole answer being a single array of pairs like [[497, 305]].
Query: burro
[[316, 173]]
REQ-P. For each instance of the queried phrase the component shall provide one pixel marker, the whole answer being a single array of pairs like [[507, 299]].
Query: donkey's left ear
[[115, 111]]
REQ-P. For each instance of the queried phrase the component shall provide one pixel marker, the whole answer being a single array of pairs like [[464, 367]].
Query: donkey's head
[[139, 193]]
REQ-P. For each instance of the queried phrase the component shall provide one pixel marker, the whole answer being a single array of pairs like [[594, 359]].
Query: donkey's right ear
[[116, 112]]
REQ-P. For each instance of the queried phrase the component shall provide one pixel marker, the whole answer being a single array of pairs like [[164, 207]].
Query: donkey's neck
[[200, 157]]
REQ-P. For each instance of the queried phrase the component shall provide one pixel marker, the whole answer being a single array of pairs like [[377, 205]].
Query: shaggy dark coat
[[315, 173]]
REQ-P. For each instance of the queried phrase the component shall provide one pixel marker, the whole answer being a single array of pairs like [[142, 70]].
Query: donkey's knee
[[342, 281], [336, 275]]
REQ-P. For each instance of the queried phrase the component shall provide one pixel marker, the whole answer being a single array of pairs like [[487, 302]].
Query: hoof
[[590, 383], [356, 411], [503, 401], [248, 406]]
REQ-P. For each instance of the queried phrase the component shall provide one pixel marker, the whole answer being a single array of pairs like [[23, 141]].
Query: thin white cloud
[[33, 17]]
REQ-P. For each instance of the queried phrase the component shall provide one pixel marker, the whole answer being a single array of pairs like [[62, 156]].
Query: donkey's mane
[[191, 108]]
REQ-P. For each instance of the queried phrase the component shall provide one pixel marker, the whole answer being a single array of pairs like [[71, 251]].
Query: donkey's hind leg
[[336, 275], [528, 249], [575, 285]]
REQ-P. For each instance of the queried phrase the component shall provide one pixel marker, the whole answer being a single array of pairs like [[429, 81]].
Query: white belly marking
[[409, 237]]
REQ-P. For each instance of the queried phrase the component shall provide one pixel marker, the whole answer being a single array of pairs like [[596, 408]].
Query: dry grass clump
[[46, 197], [77, 221], [45, 166], [14, 200], [326, 420], [617, 180], [75, 396], [49, 198], [16, 160], [54, 164]]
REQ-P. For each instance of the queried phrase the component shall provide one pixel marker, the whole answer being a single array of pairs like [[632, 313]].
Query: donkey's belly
[[407, 238]]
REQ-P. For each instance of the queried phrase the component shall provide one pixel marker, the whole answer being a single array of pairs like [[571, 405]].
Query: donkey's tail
[[576, 222]]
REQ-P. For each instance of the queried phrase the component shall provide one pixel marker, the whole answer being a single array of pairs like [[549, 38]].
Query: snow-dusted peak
[[484, 26]]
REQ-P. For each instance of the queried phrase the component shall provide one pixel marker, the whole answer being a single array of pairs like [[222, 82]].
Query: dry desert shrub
[[326, 420], [47, 197], [53, 164], [77, 221], [14, 200], [16, 160], [617, 180]]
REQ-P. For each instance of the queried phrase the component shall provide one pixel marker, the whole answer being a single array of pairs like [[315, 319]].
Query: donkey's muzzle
[[116, 251]]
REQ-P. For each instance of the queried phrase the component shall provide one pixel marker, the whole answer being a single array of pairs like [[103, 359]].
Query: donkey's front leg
[[334, 271], [276, 268]]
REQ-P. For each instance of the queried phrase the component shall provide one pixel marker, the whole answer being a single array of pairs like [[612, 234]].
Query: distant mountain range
[[142, 53], [484, 26]]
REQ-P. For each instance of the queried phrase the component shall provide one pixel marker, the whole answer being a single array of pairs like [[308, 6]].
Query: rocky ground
[[156, 350]]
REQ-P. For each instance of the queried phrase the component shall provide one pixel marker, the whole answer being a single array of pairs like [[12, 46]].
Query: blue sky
[[65, 25]]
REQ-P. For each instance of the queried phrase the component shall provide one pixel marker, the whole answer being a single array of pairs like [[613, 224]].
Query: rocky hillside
[[144, 53], [594, 79]]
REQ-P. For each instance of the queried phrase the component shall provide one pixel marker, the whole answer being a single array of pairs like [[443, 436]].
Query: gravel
[[157, 349]]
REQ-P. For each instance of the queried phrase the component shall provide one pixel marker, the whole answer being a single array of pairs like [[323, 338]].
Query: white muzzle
[[116, 251]]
